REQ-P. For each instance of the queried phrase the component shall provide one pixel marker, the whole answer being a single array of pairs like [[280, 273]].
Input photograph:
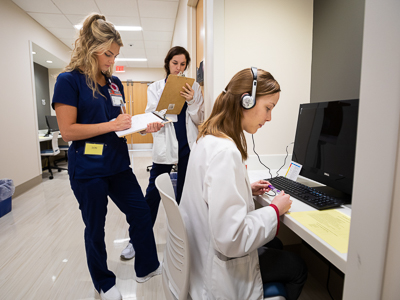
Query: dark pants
[[153, 196], [126, 193], [277, 265]]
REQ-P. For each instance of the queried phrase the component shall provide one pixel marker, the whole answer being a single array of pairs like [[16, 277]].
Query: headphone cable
[[254, 149]]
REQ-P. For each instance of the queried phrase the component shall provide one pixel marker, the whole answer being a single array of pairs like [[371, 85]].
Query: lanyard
[[112, 85]]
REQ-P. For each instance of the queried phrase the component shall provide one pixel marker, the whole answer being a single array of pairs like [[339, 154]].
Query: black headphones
[[249, 101]]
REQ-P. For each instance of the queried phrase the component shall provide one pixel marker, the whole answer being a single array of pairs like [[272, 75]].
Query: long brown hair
[[227, 113], [95, 37]]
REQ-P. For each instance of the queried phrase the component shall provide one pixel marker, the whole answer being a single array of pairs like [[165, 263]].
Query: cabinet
[[136, 101]]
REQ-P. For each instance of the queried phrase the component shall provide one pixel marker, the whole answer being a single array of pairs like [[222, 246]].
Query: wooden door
[[136, 101]]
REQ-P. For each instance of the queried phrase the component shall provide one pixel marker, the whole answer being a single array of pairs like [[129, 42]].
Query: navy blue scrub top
[[180, 131], [71, 89]]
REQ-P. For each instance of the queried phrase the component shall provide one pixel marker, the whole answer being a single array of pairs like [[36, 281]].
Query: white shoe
[[111, 294], [128, 252], [154, 273]]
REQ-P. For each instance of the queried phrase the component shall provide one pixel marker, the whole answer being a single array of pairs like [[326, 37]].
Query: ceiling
[[157, 18]]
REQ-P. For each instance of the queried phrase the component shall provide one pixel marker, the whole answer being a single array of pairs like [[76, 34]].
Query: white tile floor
[[42, 254]]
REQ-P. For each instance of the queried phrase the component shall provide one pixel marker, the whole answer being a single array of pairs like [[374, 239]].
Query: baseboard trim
[[26, 186]]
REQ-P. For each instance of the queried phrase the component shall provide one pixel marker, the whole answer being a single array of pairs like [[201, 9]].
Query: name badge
[[93, 149], [116, 97]]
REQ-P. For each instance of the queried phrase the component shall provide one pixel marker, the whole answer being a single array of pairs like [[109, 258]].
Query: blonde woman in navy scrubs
[[86, 98]]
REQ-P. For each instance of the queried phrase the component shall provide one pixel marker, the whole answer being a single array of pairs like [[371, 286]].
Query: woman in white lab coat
[[226, 234], [171, 144]]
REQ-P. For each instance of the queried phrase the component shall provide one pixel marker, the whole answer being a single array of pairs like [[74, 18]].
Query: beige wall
[[277, 38], [19, 151]]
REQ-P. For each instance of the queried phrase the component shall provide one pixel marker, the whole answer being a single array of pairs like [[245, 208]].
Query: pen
[[274, 189], [122, 107]]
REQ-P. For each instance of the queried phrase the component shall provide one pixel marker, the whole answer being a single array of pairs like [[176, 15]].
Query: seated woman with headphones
[[227, 236]]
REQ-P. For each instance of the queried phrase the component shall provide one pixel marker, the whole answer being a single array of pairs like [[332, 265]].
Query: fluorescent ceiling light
[[119, 28], [131, 59], [33, 52], [49, 61]]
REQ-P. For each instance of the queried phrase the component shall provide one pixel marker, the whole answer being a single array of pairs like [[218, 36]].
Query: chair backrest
[[54, 142], [175, 274]]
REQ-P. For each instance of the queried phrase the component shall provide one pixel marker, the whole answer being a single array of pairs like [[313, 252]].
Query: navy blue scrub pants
[[153, 196], [277, 265], [125, 192]]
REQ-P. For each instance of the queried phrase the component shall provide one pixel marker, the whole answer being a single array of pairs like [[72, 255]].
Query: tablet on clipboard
[[171, 98]]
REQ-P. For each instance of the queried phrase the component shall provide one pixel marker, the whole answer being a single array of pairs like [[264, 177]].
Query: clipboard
[[140, 121], [171, 99]]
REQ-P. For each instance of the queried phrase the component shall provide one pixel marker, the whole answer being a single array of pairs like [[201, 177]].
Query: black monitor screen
[[52, 123], [325, 142]]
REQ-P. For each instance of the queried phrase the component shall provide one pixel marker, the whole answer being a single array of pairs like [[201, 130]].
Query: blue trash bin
[[7, 189]]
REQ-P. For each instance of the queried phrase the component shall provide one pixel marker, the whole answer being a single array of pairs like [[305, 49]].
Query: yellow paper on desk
[[330, 225]]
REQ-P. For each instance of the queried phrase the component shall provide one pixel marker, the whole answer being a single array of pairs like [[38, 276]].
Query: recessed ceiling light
[[33, 52], [49, 61], [119, 28], [131, 59]]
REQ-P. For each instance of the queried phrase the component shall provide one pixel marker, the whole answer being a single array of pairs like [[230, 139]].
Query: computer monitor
[[325, 145], [52, 124]]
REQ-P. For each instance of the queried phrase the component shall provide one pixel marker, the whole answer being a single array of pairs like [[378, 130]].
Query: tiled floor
[[42, 253]]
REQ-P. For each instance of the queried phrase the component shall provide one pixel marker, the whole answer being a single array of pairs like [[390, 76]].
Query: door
[[136, 101]]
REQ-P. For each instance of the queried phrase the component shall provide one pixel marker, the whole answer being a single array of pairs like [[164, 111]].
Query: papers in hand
[[139, 122]]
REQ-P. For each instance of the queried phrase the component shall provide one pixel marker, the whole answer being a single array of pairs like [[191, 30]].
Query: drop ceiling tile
[[157, 24], [159, 36], [132, 52], [128, 8], [75, 19], [51, 20], [42, 6], [155, 62], [157, 45], [131, 36], [64, 33], [124, 21], [76, 7], [135, 44], [158, 9]]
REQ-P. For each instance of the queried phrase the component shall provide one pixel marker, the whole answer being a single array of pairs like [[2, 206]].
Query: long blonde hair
[[95, 37], [227, 113]]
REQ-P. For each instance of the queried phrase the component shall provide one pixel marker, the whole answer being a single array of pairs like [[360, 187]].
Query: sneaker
[[111, 294], [128, 252], [154, 273]]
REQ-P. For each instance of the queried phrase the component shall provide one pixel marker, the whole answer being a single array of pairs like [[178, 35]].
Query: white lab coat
[[165, 143], [223, 227]]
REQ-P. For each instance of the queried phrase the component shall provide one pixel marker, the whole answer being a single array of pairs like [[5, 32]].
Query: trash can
[[7, 189], [174, 179]]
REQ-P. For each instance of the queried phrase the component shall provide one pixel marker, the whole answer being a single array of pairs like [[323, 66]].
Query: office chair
[[52, 152], [175, 275], [65, 149]]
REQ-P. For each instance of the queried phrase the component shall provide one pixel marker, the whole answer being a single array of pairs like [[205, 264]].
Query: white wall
[[180, 31], [375, 182], [277, 38], [19, 154]]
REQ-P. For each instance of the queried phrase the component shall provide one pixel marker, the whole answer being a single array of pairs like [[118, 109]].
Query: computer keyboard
[[305, 194]]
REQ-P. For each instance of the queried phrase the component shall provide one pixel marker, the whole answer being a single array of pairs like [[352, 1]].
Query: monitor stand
[[48, 132]]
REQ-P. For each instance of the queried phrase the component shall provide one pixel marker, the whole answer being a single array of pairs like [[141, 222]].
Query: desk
[[47, 138], [326, 250]]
